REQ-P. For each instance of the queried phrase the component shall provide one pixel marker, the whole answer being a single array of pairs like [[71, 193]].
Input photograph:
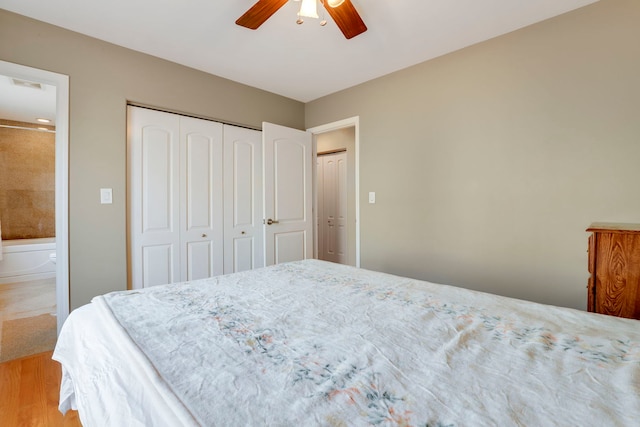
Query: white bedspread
[[314, 343]]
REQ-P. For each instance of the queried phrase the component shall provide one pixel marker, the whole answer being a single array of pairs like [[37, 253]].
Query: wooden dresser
[[614, 264]]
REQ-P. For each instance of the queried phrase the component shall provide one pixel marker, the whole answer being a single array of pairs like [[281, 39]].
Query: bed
[[316, 343]]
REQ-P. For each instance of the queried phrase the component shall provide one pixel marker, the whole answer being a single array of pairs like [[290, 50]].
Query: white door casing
[[201, 200], [243, 198], [355, 205], [287, 194], [61, 83]]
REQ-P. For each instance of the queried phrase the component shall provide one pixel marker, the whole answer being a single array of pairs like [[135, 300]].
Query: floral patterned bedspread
[[314, 343]]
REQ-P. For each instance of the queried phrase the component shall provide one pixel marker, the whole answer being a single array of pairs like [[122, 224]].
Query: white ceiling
[[26, 104], [302, 62]]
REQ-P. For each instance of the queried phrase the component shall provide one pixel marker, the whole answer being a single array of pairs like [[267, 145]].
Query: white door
[[201, 243], [332, 207], [287, 194], [243, 235], [154, 152], [175, 170]]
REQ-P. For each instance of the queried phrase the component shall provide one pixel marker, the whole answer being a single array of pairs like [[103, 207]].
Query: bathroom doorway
[[34, 284]]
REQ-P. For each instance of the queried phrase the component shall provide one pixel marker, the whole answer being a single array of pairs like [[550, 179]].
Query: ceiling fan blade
[[347, 19], [259, 12]]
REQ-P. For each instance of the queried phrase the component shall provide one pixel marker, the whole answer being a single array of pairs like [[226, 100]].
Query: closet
[[197, 197]]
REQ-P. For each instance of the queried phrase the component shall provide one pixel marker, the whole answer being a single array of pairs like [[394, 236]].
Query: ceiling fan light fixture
[[343, 13], [309, 8]]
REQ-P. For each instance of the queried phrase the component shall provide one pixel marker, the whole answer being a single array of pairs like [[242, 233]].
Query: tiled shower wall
[[27, 182]]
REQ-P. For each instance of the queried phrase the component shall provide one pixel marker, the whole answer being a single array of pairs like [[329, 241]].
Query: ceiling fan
[[343, 13]]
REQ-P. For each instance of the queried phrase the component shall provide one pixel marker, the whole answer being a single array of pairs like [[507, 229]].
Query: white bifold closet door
[[175, 173], [198, 191], [201, 199], [187, 211], [243, 229]]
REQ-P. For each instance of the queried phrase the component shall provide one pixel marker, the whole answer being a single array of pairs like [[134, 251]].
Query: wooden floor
[[29, 390]]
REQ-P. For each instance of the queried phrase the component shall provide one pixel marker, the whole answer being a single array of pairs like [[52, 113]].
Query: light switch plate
[[372, 196], [106, 196]]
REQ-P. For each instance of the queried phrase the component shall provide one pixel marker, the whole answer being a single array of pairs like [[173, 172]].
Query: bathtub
[[27, 259]]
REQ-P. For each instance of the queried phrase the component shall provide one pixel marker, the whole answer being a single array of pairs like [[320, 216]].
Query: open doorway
[[34, 217], [337, 229]]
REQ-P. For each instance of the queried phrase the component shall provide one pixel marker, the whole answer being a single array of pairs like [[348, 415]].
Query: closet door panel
[[157, 265], [198, 260], [201, 192], [330, 172], [243, 200], [244, 254], [290, 246], [199, 182], [153, 153], [157, 180], [332, 207]]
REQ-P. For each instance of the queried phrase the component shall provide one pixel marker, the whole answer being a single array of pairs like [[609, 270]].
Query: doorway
[[57, 256], [331, 139]]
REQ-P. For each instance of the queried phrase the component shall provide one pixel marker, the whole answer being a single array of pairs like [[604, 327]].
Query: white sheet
[[313, 343], [107, 379]]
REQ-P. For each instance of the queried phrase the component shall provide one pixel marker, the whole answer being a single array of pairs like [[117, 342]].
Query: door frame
[[61, 82], [317, 130]]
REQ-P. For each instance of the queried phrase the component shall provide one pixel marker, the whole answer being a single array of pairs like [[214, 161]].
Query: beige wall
[[102, 78], [339, 139], [27, 181], [490, 162]]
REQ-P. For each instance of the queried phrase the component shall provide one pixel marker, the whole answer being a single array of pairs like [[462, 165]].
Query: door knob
[[204, 235], [271, 221]]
